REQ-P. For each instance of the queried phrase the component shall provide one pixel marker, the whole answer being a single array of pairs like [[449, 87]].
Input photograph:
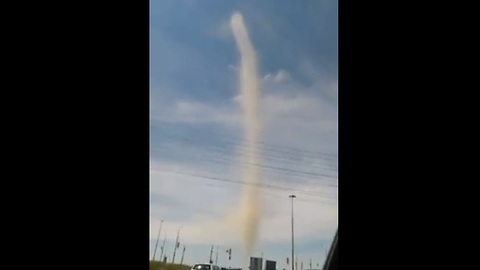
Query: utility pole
[[293, 237], [162, 249], [310, 263], [216, 257], [211, 254], [183, 253], [177, 244], [156, 243]]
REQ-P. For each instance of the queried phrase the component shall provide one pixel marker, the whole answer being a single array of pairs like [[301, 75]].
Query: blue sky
[[196, 127]]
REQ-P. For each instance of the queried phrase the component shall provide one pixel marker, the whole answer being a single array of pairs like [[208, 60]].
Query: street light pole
[[293, 246], [158, 238], [162, 249], [176, 245]]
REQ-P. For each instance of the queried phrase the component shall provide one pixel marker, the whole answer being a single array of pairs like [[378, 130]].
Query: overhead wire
[[239, 151], [263, 185], [227, 159], [227, 149], [261, 146]]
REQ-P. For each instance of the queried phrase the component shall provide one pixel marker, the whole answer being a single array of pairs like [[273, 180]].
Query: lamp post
[[293, 246], [156, 243], [177, 245]]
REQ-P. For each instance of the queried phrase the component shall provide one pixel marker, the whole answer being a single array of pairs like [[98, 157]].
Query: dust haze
[[248, 214]]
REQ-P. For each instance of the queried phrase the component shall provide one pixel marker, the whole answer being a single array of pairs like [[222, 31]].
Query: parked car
[[205, 266]]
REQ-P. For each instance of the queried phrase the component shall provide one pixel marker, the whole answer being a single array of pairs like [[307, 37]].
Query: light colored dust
[[246, 219]]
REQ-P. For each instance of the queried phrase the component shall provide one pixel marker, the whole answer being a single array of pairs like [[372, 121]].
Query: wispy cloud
[[287, 105]]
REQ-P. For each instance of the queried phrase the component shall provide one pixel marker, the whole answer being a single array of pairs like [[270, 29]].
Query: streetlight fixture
[[293, 246]]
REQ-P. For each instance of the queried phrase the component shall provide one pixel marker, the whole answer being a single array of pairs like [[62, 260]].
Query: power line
[[224, 158], [265, 156], [309, 193], [281, 197], [227, 159], [274, 173], [238, 148], [248, 151], [274, 176], [237, 141]]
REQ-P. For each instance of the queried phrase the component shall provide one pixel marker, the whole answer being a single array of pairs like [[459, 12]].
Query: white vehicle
[[206, 266]]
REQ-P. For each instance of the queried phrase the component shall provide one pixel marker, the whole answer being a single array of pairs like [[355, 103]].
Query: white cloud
[[288, 107], [279, 77]]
